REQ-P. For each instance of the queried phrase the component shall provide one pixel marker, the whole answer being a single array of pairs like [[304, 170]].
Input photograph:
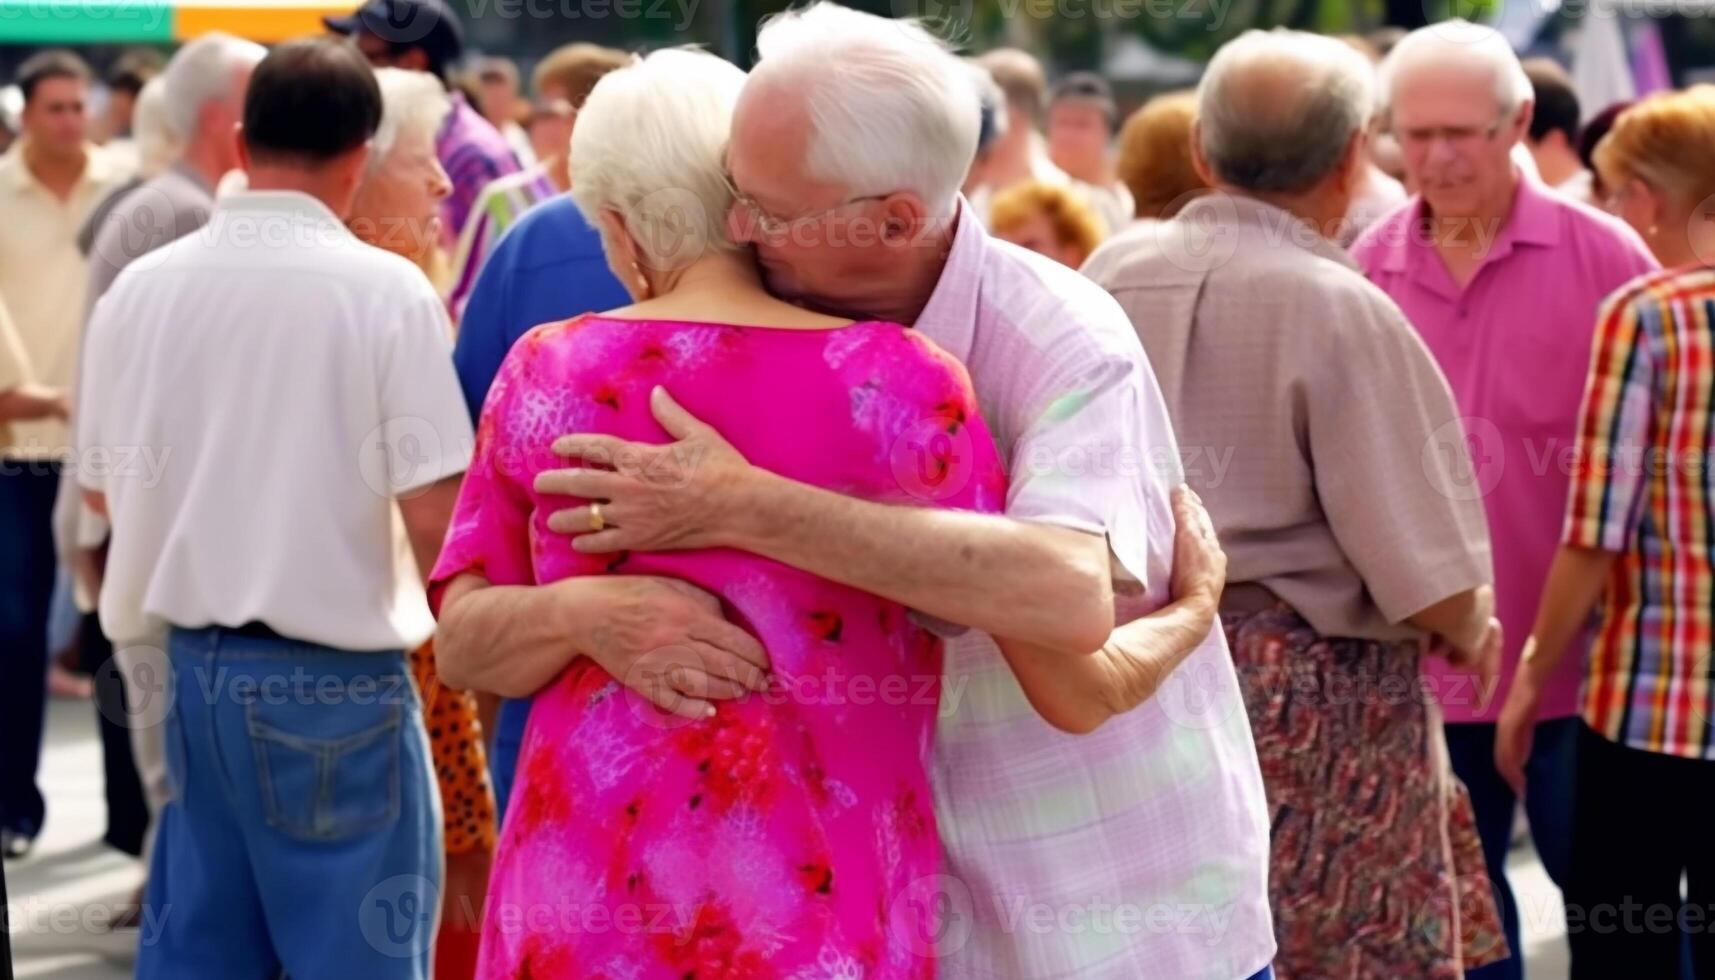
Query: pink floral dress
[[791, 835]]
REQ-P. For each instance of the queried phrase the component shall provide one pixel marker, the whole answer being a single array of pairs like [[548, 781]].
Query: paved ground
[[62, 895]]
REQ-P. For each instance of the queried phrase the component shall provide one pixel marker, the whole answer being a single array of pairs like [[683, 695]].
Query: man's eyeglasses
[[772, 224], [1418, 138]]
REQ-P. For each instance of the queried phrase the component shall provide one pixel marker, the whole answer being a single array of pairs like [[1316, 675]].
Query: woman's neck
[[724, 287]]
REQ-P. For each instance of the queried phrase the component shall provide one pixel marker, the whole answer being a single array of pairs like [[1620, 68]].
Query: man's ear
[[903, 215], [242, 147], [1356, 161], [1521, 120], [1199, 162]]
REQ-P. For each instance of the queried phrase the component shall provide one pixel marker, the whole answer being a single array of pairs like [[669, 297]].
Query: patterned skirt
[[1375, 866]]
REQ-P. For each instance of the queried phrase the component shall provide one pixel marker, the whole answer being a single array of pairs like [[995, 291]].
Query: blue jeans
[[303, 834], [508, 742], [1548, 803], [27, 564]]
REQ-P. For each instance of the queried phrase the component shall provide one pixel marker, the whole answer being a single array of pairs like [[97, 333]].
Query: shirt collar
[[1278, 225], [949, 318], [191, 174], [457, 119], [97, 168], [294, 204], [1534, 220]]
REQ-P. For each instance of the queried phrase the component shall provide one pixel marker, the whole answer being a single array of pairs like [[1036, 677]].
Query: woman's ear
[[1660, 206], [616, 237], [623, 256]]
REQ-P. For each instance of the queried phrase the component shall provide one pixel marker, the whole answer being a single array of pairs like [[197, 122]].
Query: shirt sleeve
[[14, 362], [490, 529], [1391, 465], [424, 432], [1614, 429], [1097, 454], [471, 174], [91, 385]]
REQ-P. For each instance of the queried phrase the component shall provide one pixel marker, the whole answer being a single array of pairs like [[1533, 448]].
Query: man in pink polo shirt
[[1503, 279]]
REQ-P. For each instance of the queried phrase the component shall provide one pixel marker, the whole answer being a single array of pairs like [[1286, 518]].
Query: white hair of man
[[202, 71], [1277, 109], [1453, 45], [891, 107], [412, 102], [650, 143], [157, 145]]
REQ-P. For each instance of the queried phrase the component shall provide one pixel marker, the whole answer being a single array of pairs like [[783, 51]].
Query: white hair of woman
[[891, 107], [650, 144], [157, 144], [1277, 109], [1453, 45], [203, 70], [411, 102]]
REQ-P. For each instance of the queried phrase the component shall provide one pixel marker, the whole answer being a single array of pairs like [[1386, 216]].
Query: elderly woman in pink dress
[[771, 835]]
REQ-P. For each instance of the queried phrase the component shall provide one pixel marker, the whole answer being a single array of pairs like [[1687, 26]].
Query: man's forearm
[[507, 639], [1042, 586]]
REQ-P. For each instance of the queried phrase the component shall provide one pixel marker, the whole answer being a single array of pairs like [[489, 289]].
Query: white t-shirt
[[257, 394]]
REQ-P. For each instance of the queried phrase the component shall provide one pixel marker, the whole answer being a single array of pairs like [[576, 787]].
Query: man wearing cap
[[424, 35]]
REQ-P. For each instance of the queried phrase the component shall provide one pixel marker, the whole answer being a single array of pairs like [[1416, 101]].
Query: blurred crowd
[[1432, 342]]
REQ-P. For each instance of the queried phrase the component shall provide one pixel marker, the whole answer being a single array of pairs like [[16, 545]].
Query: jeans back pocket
[[326, 771]]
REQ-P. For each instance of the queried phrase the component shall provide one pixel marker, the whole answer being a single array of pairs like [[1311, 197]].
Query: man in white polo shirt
[[259, 394]]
